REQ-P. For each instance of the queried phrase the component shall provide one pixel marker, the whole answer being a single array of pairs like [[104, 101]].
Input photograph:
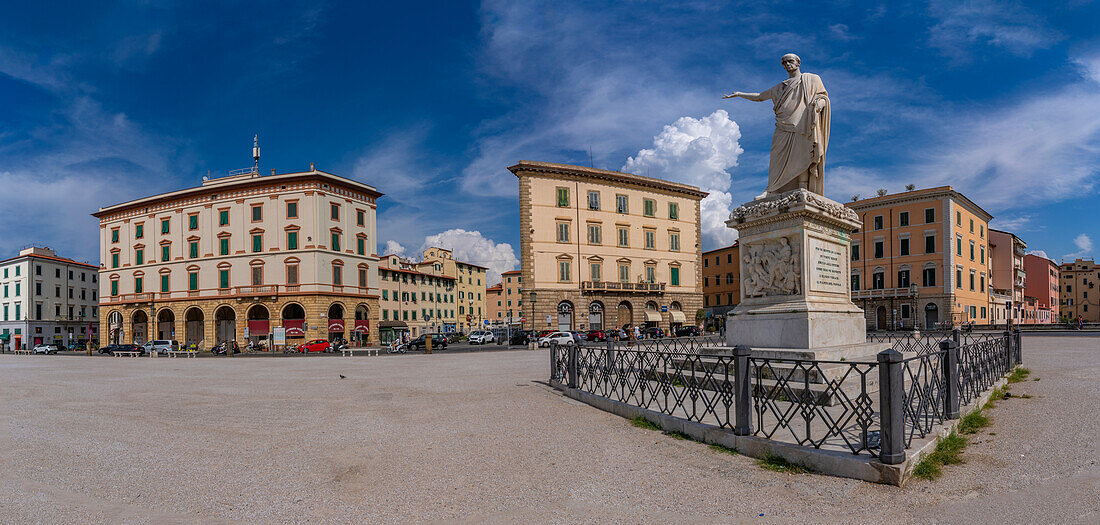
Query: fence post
[[956, 336], [891, 405], [1009, 340], [610, 355], [950, 379], [554, 363], [572, 350], [1018, 348], [742, 392]]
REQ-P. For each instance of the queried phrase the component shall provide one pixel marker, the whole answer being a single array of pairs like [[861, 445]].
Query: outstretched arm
[[755, 97]]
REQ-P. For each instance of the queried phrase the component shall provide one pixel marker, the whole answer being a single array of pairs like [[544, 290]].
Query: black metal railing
[[687, 345], [874, 407], [922, 342]]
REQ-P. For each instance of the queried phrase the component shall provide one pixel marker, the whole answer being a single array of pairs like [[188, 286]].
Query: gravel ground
[[474, 438]]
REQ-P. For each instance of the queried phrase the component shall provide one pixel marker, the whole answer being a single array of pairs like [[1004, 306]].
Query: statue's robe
[[801, 133]]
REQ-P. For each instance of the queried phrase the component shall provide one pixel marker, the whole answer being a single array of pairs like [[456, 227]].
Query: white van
[[162, 346]]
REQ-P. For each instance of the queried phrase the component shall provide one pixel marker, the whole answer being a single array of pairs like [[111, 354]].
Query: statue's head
[[790, 61]]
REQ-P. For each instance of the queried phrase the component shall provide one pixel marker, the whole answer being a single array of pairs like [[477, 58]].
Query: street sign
[[246, 332], [664, 308]]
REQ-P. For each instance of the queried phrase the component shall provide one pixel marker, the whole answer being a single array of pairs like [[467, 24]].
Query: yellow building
[[602, 249], [412, 301], [469, 282], [239, 256], [921, 259], [1080, 293]]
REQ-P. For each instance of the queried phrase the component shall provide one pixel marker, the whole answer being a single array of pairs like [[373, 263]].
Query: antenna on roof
[[256, 154], [590, 163]]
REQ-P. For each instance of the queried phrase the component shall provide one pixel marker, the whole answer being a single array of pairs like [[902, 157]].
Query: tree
[[881, 192], [910, 187]]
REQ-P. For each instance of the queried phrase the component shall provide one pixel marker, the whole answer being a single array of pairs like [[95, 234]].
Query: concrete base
[[795, 327]]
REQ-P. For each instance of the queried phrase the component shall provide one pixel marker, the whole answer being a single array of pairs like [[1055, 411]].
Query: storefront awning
[[362, 325], [392, 324], [294, 327], [5, 337], [653, 316], [678, 316]]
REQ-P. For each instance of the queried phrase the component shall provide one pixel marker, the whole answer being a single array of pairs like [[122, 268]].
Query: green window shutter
[[673, 210], [336, 242], [292, 210], [194, 250], [675, 273], [164, 283], [361, 248], [114, 291], [563, 197], [114, 260], [257, 213], [223, 217], [114, 235], [292, 240], [257, 243], [223, 278], [223, 246], [193, 281], [193, 222], [165, 253], [137, 284], [139, 231], [140, 256], [165, 225]]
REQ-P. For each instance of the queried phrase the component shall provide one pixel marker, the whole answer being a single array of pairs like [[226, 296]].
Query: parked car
[[652, 332], [685, 331], [597, 336], [482, 337], [76, 346], [452, 337], [316, 345], [544, 333], [45, 349], [577, 336], [520, 337], [439, 342], [111, 349], [161, 346], [561, 338]]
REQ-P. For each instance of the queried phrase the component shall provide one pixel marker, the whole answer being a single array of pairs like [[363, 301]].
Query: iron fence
[[864, 407], [676, 345], [923, 342]]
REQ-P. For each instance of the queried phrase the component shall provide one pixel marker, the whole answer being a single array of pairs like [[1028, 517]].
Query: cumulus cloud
[[394, 248], [1084, 247], [697, 151], [475, 248], [1038, 253]]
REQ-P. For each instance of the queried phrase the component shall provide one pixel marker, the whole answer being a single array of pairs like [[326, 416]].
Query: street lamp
[[534, 297]]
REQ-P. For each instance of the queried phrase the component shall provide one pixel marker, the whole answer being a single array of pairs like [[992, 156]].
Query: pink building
[[1007, 277], [1041, 285]]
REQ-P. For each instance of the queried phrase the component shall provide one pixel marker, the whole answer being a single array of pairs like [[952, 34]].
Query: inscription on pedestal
[[828, 266]]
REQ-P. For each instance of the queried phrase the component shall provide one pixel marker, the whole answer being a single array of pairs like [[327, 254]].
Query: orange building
[[1079, 295], [1041, 287], [921, 259], [1008, 278], [721, 282], [511, 302]]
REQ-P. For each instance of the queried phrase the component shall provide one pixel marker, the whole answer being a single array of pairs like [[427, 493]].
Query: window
[[929, 215], [929, 244], [971, 250], [139, 231], [193, 221], [981, 285], [292, 210], [563, 271], [971, 225], [594, 271], [114, 260], [361, 246], [257, 242], [983, 312], [257, 212], [621, 204], [855, 253], [193, 249], [223, 246], [674, 276], [165, 225], [257, 275], [223, 279], [164, 282], [114, 291], [905, 246], [706, 281], [292, 240], [114, 235], [673, 211], [903, 279], [594, 200], [650, 239], [929, 277], [563, 197], [335, 242], [292, 274], [959, 246], [903, 218], [855, 282], [674, 242], [878, 280], [623, 237], [650, 274], [649, 207], [137, 284], [983, 255], [359, 218], [905, 311], [958, 218], [223, 217], [981, 228], [165, 252], [139, 256], [563, 232], [878, 222], [594, 234], [971, 280], [958, 278], [337, 275], [878, 250], [624, 273]]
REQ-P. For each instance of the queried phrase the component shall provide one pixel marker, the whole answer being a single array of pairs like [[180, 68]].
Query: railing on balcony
[[606, 286], [884, 293], [130, 297], [263, 289]]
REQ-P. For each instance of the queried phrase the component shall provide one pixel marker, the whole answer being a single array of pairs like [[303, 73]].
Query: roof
[[917, 195], [49, 258], [613, 176], [513, 272], [734, 245], [239, 182], [498, 287]]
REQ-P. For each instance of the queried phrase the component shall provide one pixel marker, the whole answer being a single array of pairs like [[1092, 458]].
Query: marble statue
[[801, 135]]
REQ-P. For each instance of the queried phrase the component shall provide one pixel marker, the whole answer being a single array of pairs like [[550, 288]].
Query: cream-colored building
[[412, 301], [239, 256], [602, 249], [509, 307], [47, 299], [1080, 293], [469, 282]]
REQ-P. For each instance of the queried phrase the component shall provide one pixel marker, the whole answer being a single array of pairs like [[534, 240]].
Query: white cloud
[[1039, 253], [1004, 24], [473, 247], [697, 151], [1084, 247], [394, 248]]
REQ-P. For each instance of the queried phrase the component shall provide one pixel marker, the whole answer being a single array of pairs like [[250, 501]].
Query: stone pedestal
[[795, 279]]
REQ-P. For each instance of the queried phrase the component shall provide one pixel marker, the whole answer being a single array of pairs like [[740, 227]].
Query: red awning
[[336, 325], [258, 326], [362, 325], [294, 327]]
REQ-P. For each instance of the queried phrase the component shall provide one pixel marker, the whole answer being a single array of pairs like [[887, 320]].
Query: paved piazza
[[474, 437]]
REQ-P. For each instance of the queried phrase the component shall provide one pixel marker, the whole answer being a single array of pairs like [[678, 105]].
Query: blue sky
[[430, 102]]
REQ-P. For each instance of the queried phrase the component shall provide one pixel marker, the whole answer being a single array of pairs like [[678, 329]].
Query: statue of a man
[[801, 129]]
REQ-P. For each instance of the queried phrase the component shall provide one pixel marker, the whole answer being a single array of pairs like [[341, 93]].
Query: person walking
[[637, 333]]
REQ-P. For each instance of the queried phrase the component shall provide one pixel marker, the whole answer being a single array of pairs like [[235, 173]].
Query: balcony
[[885, 293], [611, 287], [129, 298], [264, 290]]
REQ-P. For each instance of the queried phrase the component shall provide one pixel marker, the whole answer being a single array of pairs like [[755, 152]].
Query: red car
[[316, 345], [597, 336]]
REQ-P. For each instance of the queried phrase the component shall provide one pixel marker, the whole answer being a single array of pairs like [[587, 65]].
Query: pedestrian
[[1080, 324], [637, 332]]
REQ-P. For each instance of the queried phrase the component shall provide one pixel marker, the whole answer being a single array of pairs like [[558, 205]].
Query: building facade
[[470, 282], [1080, 296], [47, 299], [1041, 287], [921, 259], [511, 300], [494, 302], [1009, 276], [602, 249], [239, 256], [413, 302], [721, 282]]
